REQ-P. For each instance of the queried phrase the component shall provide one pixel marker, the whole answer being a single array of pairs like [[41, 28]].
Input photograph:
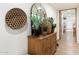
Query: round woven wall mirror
[[16, 18]]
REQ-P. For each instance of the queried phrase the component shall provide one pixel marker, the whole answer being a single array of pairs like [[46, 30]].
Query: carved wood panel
[[16, 18]]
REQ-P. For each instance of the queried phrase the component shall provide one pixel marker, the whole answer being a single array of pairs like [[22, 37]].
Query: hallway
[[67, 45]]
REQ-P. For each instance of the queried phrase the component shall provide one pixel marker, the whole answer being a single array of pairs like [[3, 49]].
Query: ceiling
[[61, 6]]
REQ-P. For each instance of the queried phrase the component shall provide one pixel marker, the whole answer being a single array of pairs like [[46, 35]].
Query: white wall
[[13, 42], [51, 11]]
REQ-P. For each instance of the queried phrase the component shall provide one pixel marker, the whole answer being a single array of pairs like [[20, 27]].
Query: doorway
[[68, 22]]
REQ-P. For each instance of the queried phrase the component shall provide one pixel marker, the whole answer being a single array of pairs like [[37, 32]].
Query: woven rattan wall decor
[[16, 18]]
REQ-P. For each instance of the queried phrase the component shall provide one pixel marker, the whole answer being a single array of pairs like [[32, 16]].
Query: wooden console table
[[42, 45]]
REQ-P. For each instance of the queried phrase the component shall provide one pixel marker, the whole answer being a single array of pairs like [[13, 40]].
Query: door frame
[[60, 20]]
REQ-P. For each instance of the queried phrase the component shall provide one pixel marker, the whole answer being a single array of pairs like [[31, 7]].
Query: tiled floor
[[67, 45]]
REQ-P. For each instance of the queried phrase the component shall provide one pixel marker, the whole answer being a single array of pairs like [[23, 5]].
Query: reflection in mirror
[[38, 10], [38, 13]]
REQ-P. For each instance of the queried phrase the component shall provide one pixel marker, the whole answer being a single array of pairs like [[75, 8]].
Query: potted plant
[[53, 27], [35, 19], [46, 27], [51, 20]]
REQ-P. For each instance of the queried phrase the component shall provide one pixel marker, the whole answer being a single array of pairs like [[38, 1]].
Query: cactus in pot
[[36, 21]]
